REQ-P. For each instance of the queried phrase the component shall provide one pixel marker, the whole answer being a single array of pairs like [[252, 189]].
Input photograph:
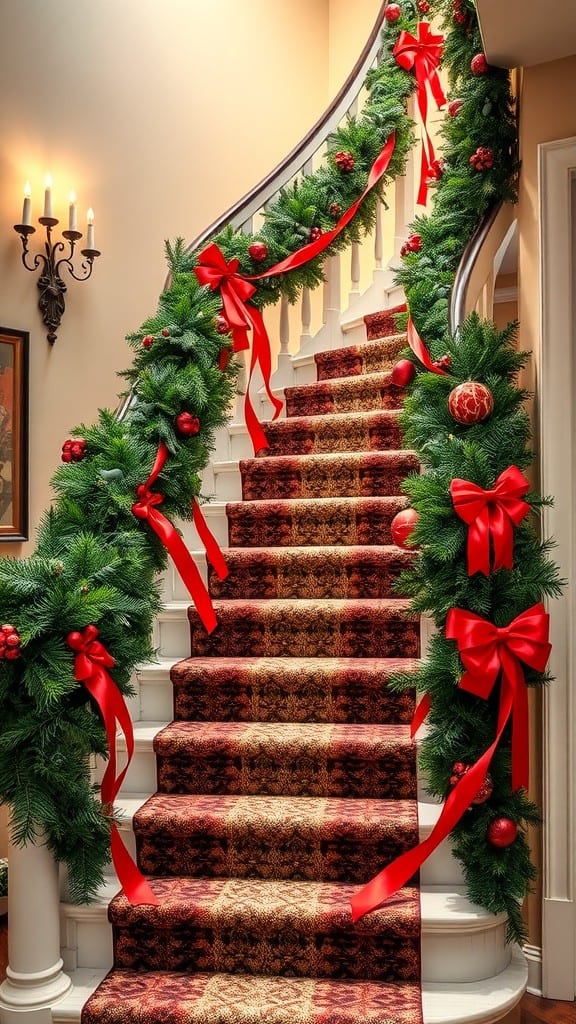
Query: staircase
[[287, 776]]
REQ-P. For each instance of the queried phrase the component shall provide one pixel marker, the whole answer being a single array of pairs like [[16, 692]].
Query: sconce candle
[[90, 231], [27, 207], [72, 224], [48, 197]]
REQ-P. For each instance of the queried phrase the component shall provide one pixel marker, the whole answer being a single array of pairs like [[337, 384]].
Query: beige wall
[[349, 27], [160, 116]]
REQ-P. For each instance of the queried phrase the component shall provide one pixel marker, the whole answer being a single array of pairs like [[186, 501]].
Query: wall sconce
[[50, 283]]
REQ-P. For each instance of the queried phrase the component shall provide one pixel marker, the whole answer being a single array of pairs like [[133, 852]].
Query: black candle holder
[[52, 287]]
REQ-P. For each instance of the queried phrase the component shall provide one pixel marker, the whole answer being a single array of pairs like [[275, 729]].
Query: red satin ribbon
[[90, 664], [485, 651], [214, 271], [491, 515], [423, 53], [420, 351], [236, 290], [146, 508]]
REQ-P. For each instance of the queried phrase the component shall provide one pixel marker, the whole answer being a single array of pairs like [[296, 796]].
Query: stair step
[[317, 839], [331, 571], [341, 432], [344, 394], [285, 759], [315, 628], [342, 475], [368, 357], [480, 1002], [382, 324], [290, 690], [267, 927]]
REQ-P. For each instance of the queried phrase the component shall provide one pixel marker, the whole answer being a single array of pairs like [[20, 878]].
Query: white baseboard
[[533, 956]]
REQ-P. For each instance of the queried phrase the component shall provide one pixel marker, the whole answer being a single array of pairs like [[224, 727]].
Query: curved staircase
[[287, 776]]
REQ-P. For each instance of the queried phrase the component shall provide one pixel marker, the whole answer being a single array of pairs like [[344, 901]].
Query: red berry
[[12, 653], [8, 629], [315, 234], [222, 325], [344, 161], [165, 332], [423, 6], [393, 12], [13, 640], [147, 341], [75, 640], [258, 251], [187, 424], [414, 243], [454, 107], [479, 64], [460, 768]]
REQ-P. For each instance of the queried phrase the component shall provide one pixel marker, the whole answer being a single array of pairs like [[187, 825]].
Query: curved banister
[[457, 313]]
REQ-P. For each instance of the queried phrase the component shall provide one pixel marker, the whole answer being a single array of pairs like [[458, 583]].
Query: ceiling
[[520, 33]]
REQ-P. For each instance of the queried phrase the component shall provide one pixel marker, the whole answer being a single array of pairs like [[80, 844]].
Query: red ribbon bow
[[423, 53], [486, 651], [214, 271], [492, 515], [146, 508], [90, 664]]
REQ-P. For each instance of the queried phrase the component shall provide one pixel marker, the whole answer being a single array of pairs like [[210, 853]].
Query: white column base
[[29, 997]]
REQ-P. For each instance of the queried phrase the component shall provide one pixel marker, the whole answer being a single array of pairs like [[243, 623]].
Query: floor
[[533, 1010]]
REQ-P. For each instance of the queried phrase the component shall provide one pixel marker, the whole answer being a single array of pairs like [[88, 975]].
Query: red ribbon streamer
[[486, 651], [491, 515], [420, 351], [236, 290], [423, 53], [90, 664], [146, 508], [214, 271]]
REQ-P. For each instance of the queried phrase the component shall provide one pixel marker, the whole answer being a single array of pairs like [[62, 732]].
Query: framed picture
[[13, 434]]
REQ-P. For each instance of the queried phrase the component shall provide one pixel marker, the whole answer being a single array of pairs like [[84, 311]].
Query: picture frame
[[13, 434]]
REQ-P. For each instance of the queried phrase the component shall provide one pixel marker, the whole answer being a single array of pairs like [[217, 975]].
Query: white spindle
[[378, 238], [354, 272], [332, 305], [284, 326], [306, 315]]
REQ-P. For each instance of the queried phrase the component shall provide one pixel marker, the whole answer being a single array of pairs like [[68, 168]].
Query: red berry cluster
[[335, 210], [187, 424], [454, 107], [423, 6], [392, 12], [460, 15], [9, 643], [222, 325], [147, 341], [436, 169], [315, 234], [479, 64], [344, 160], [486, 789], [258, 251], [412, 244], [482, 159], [74, 449], [444, 363]]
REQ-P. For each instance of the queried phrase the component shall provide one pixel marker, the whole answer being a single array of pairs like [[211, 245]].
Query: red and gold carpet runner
[[287, 777]]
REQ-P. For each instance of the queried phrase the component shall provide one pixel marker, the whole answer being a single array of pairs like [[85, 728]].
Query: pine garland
[[460, 727], [95, 563]]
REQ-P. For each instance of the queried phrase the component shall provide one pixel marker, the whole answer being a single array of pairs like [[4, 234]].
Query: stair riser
[[371, 357], [324, 399], [303, 436], [317, 573]]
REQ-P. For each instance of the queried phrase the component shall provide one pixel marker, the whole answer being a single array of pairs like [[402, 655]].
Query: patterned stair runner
[[288, 776]]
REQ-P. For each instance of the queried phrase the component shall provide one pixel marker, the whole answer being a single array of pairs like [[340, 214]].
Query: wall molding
[[557, 222]]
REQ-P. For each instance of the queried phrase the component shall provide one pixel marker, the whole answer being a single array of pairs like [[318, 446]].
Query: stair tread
[[316, 736], [289, 665]]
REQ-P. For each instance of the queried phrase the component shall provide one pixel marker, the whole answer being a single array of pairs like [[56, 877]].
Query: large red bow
[[486, 650], [492, 515], [214, 271], [90, 663], [423, 53], [146, 508]]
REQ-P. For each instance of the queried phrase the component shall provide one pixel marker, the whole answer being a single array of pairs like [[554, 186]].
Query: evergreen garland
[[460, 727], [95, 563]]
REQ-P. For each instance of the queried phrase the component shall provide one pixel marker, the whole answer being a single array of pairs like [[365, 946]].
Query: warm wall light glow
[[27, 189], [48, 181], [90, 216]]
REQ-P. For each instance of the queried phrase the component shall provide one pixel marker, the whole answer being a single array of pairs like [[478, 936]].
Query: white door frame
[[557, 398]]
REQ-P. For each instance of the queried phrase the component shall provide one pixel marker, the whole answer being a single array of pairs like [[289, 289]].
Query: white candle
[[72, 224], [26, 208], [48, 197], [90, 232]]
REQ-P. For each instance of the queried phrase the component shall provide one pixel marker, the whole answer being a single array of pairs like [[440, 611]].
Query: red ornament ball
[[74, 449], [187, 424], [147, 341], [479, 64], [344, 161], [470, 403], [502, 832], [402, 527], [9, 643], [393, 12], [315, 234], [454, 107], [459, 769], [258, 251], [482, 159], [335, 210], [165, 332], [222, 325], [403, 373]]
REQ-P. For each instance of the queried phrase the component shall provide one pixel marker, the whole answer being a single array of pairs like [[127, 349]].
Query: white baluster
[[378, 239], [284, 326], [354, 272], [35, 980], [305, 315], [332, 302]]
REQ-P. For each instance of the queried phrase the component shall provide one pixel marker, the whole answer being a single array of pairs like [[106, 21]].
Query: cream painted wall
[[349, 27], [160, 116]]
